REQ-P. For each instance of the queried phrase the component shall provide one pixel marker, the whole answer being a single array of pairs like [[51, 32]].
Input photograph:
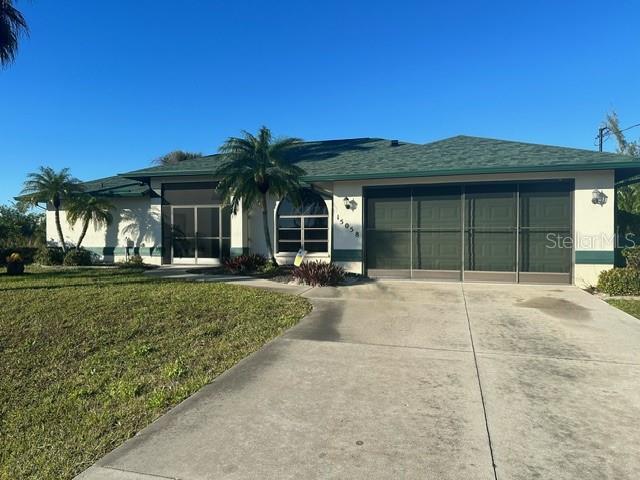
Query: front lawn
[[632, 307], [88, 357]]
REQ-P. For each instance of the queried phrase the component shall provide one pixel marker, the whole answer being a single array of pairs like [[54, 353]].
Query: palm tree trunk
[[265, 223], [59, 227], [85, 226]]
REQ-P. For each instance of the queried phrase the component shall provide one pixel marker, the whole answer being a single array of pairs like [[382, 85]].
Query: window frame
[[302, 217]]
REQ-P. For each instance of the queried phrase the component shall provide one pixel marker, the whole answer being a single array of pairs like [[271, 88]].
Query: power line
[[632, 126]]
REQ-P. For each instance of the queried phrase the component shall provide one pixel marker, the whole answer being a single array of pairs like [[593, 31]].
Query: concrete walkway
[[416, 381]]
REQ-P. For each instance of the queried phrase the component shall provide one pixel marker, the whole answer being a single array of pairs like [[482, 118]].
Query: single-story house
[[461, 209]]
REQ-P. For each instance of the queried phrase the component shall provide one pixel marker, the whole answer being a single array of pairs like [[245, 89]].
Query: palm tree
[[175, 157], [88, 208], [51, 187], [12, 26], [253, 168]]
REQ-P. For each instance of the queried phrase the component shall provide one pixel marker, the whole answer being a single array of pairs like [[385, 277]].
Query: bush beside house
[[622, 281], [78, 257], [319, 274], [49, 256], [245, 263]]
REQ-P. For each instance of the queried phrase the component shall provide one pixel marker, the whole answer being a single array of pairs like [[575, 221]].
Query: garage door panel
[[388, 250], [437, 250], [544, 252], [490, 251]]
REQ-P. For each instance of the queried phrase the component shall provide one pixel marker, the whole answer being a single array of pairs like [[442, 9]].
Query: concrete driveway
[[415, 381]]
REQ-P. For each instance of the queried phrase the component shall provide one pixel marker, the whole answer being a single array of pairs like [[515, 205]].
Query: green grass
[[88, 357], [632, 307]]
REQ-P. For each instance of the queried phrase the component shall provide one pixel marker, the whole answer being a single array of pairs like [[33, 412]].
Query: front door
[[197, 236]]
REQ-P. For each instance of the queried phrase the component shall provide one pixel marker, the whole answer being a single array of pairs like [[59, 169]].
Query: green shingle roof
[[116, 186], [369, 158]]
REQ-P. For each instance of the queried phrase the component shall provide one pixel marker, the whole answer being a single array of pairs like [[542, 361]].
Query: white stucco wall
[[593, 224], [136, 223], [348, 231]]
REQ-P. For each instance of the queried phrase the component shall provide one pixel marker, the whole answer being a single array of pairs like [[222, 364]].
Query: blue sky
[[105, 87]]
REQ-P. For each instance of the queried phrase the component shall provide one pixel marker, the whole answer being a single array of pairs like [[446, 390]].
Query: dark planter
[[15, 268]]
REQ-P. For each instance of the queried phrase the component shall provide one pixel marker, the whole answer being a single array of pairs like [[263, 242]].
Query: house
[[461, 209]]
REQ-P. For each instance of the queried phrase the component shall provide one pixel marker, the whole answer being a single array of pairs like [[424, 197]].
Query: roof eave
[[476, 171], [106, 189], [183, 173]]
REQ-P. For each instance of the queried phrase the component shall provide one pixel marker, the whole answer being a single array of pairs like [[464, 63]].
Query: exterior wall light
[[349, 204], [598, 197]]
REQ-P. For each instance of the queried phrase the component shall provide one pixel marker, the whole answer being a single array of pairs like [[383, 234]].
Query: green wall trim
[[595, 257], [344, 255], [110, 251], [237, 251]]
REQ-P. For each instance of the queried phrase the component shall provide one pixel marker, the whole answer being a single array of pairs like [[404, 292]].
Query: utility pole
[[601, 132]]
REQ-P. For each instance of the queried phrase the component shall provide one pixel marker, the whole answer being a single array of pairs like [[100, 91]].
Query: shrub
[[269, 269], [319, 273], [620, 281], [78, 257], [134, 261], [632, 256], [245, 263], [50, 256], [15, 264]]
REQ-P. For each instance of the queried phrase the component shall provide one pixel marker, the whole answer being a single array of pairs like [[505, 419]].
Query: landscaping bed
[[88, 357], [281, 274], [313, 273]]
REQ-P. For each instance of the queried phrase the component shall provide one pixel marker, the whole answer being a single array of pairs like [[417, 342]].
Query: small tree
[[20, 227], [87, 209], [51, 187], [175, 157], [254, 168]]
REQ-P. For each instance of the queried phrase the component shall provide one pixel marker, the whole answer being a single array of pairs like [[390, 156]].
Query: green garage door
[[490, 225], [388, 235], [545, 233], [437, 223], [489, 232]]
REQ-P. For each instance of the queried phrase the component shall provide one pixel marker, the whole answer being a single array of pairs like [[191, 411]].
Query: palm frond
[[47, 185], [12, 26], [88, 208], [175, 157], [254, 165]]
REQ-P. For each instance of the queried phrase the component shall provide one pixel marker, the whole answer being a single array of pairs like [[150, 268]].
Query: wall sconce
[[598, 197], [349, 204]]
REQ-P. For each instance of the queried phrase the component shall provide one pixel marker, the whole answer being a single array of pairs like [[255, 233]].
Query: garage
[[514, 232]]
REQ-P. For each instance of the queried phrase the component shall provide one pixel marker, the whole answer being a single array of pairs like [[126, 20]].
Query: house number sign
[[347, 226]]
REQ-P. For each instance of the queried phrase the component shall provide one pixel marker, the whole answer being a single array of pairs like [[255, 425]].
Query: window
[[303, 226]]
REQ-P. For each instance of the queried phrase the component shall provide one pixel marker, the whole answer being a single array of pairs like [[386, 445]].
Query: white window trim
[[324, 254]]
